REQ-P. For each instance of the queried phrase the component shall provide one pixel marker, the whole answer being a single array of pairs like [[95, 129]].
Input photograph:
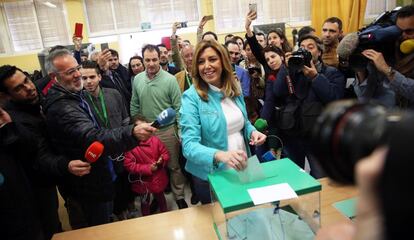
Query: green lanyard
[[102, 115], [187, 78]]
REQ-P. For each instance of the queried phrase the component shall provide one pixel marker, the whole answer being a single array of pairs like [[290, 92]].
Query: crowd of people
[[218, 91]]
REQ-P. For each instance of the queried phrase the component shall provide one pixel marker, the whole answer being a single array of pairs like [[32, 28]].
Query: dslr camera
[[349, 130], [300, 58]]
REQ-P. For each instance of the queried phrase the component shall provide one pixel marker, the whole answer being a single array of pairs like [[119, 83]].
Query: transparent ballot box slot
[[236, 216]]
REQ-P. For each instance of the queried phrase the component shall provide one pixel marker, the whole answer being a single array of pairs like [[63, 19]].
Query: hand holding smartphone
[[253, 9], [183, 25], [104, 46]]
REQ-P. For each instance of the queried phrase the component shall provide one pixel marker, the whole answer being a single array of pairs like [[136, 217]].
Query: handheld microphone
[[348, 45], [260, 124], [164, 118], [94, 151]]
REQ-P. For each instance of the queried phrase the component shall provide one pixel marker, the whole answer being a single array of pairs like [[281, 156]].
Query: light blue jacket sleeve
[[193, 150]]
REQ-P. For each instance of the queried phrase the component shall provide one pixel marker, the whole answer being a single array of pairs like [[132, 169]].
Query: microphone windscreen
[[166, 117], [94, 151], [348, 45], [260, 124], [407, 46]]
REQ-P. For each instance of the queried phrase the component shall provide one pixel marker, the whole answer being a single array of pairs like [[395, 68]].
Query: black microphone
[[164, 118]]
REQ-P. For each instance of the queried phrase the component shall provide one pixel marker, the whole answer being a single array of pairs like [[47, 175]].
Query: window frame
[[7, 39], [138, 29], [241, 28], [389, 5]]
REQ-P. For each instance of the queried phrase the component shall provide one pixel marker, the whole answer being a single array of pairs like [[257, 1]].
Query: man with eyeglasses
[[33, 150], [401, 74], [73, 128]]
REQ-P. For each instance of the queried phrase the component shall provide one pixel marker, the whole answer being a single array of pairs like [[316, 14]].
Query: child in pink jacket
[[147, 164]]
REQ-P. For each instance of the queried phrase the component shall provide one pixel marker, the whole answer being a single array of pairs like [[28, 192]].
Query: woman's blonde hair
[[231, 87]]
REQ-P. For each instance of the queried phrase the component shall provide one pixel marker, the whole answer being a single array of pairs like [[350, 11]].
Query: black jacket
[[17, 210], [124, 74], [113, 80], [44, 165], [73, 128]]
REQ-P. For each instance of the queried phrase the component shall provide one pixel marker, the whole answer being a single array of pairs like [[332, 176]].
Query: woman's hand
[[249, 19], [257, 138], [234, 159]]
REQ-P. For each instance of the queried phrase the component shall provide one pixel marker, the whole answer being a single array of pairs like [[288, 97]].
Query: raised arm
[[175, 49]]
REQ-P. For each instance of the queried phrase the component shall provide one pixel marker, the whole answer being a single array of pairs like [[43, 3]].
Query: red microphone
[[94, 151]]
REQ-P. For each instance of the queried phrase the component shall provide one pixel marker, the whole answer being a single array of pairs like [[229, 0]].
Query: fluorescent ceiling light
[[49, 4]]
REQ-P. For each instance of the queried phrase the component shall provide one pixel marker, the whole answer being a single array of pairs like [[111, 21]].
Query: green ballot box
[[284, 203]]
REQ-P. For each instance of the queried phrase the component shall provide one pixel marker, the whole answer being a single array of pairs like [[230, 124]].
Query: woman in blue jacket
[[214, 124]]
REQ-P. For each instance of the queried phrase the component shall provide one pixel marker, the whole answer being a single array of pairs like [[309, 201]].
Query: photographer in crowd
[[302, 88], [401, 74]]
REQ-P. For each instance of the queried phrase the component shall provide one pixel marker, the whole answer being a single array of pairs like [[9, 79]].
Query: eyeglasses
[[71, 71]]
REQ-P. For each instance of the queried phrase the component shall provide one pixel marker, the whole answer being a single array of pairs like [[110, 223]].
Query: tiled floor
[[170, 204]]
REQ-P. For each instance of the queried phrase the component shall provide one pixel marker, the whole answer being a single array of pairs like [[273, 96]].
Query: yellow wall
[[25, 62], [75, 13]]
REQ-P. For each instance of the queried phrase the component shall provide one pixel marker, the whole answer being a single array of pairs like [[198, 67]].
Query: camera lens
[[348, 131], [296, 62], [299, 58]]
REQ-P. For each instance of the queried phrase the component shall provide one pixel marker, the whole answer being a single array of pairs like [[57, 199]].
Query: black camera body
[[349, 130], [300, 58]]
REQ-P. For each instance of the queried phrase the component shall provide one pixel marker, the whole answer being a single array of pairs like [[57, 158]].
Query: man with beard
[[331, 34], [400, 75], [122, 71], [164, 60], [40, 163], [73, 128]]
